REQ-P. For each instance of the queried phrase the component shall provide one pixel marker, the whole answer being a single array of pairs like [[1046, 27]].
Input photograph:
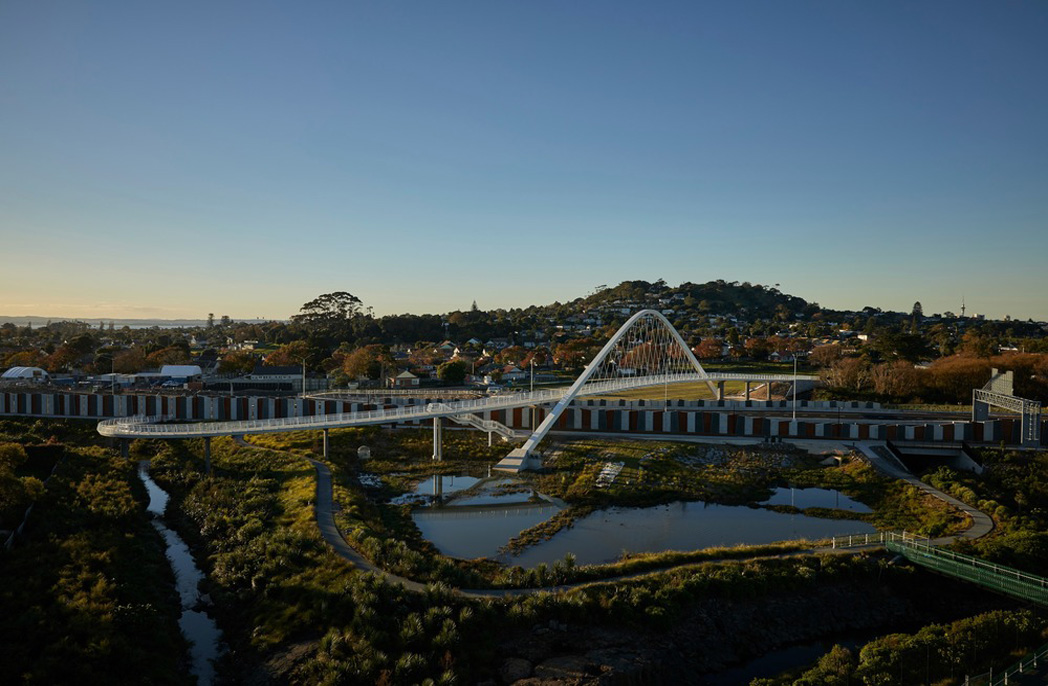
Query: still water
[[197, 626], [478, 524]]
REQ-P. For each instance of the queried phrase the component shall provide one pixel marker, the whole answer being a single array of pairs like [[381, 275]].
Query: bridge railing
[[996, 577], [1028, 664]]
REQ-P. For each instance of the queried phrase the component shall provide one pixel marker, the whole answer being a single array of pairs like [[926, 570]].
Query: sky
[[174, 159]]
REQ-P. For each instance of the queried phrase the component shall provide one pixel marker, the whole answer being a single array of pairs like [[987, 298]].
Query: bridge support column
[[124, 448], [720, 390], [326, 444], [748, 386], [980, 409], [207, 454], [438, 432], [490, 433]]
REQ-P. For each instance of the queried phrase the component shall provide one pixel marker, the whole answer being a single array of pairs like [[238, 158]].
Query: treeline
[[946, 380], [941, 654]]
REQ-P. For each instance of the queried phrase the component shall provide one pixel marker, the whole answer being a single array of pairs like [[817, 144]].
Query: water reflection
[[603, 536], [815, 497], [468, 517], [196, 626]]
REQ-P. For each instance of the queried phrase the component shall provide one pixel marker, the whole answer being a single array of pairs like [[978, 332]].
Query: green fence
[[1007, 580], [1000, 578]]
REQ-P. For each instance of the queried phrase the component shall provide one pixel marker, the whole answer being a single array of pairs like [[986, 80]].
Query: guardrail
[[137, 428], [995, 577], [1028, 664]]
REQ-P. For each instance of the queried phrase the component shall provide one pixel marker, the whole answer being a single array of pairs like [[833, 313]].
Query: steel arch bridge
[[646, 351]]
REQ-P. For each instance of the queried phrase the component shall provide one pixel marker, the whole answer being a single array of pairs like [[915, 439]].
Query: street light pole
[[794, 387]]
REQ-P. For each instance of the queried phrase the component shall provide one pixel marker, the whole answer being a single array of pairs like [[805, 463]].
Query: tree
[[825, 355], [289, 354], [918, 311], [452, 373], [210, 320], [709, 349], [16, 492], [852, 373], [241, 362], [328, 309], [367, 362]]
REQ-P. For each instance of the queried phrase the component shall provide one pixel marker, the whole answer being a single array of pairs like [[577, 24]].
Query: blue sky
[[175, 159]]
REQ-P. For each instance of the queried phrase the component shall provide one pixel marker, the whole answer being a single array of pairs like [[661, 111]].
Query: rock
[[514, 669], [566, 667]]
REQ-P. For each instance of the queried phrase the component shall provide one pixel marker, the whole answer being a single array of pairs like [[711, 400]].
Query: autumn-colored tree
[[26, 358], [367, 362], [513, 354], [172, 354], [851, 373], [977, 344], [952, 379], [289, 354], [239, 362], [709, 349], [899, 379], [825, 355], [63, 358], [130, 361]]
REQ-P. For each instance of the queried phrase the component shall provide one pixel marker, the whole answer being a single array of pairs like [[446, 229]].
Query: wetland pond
[[484, 514]]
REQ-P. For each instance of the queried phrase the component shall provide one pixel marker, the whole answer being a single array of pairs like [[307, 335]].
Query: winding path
[[324, 510]]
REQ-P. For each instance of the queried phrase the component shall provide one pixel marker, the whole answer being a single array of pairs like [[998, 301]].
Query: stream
[[198, 628]]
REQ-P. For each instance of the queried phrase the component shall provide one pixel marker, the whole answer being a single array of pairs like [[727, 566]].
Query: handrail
[[139, 426]]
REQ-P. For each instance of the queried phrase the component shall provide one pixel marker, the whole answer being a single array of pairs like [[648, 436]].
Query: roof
[[23, 373], [278, 370], [180, 370]]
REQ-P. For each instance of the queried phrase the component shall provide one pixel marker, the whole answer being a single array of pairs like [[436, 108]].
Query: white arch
[[529, 445]]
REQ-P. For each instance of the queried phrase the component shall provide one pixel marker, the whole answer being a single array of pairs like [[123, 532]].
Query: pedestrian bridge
[[645, 352]]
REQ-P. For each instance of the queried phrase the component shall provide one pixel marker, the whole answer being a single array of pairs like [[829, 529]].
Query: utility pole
[[794, 387]]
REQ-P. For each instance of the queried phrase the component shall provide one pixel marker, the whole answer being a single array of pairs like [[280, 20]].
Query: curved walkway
[[982, 523]]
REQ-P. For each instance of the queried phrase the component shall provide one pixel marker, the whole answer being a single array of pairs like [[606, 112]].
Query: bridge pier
[[489, 438], [438, 434], [720, 390], [326, 444], [748, 386], [124, 448], [207, 454]]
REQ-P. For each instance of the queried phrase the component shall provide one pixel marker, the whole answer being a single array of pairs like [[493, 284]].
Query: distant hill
[[713, 297]]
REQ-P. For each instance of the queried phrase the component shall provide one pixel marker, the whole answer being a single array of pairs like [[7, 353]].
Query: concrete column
[[720, 390], [326, 444], [124, 448], [490, 433], [207, 454], [438, 430], [747, 390]]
